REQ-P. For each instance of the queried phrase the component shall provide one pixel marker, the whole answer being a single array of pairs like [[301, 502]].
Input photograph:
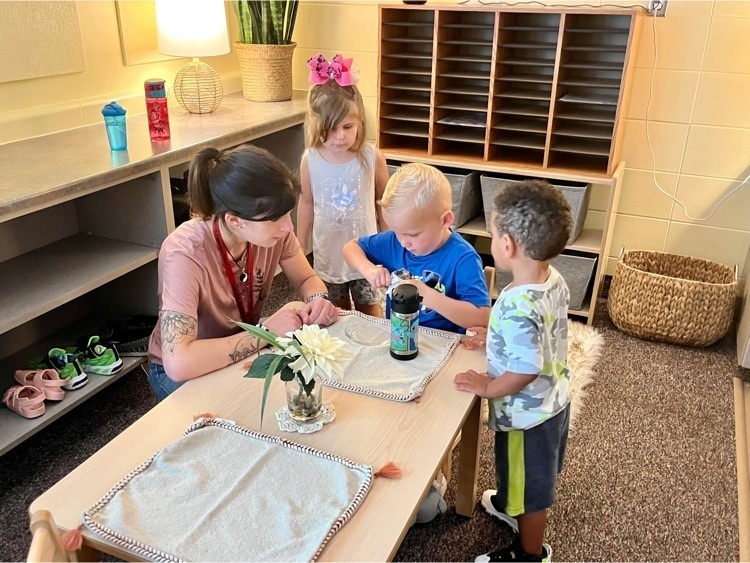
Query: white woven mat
[[224, 493], [372, 370]]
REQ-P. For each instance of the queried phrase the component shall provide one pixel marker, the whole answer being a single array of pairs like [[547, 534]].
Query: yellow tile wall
[[699, 118]]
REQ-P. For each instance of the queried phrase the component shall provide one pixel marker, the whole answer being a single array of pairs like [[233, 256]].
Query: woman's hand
[[319, 311], [476, 337], [284, 321]]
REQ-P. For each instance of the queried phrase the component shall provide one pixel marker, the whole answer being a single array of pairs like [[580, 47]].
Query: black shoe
[[514, 552]]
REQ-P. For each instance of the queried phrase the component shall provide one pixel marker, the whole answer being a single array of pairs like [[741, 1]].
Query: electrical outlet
[[657, 8]]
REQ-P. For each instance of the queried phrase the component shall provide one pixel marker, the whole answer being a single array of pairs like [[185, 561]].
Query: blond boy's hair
[[417, 186]]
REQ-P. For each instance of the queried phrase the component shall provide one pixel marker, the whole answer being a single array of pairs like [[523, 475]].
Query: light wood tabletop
[[415, 436]]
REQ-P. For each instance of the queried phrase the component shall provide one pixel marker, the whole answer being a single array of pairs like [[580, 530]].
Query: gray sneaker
[[490, 508]]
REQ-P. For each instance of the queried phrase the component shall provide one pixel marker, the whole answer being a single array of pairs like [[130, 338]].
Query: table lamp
[[194, 28]]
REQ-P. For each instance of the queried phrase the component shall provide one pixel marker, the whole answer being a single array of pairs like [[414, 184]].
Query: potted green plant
[[265, 48]]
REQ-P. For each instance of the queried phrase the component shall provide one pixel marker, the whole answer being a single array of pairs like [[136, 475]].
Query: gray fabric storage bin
[[575, 270], [465, 191], [577, 195]]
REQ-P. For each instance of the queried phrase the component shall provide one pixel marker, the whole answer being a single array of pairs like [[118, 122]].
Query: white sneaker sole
[[490, 509], [76, 382]]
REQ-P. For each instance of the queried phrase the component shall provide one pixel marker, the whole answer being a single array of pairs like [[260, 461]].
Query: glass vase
[[303, 406]]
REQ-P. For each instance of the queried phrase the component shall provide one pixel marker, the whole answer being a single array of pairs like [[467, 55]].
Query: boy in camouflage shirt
[[527, 384]]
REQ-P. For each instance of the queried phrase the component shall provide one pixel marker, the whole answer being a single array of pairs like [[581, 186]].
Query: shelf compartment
[[410, 71], [593, 147], [466, 74], [591, 82], [535, 125], [461, 134], [525, 95], [588, 131], [406, 129], [418, 115], [415, 101], [588, 99], [524, 46], [528, 78], [521, 140], [589, 114], [416, 146], [513, 156], [464, 90], [582, 162], [524, 109], [475, 26], [596, 48], [471, 42], [411, 40], [527, 62], [594, 65], [458, 148], [63, 271], [464, 105], [539, 28], [409, 55], [467, 58], [410, 24], [409, 85]]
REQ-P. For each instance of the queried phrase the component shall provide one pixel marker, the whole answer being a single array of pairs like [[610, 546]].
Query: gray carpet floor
[[650, 472]]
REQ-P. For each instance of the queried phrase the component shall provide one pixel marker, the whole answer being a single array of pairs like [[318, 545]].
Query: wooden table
[[416, 436]]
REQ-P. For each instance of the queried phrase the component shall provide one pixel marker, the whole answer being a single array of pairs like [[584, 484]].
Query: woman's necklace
[[243, 269]]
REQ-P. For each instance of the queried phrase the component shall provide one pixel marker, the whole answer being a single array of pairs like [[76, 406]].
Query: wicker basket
[[671, 298], [266, 71]]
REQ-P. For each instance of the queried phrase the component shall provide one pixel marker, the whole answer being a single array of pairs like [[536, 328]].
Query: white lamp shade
[[192, 28]]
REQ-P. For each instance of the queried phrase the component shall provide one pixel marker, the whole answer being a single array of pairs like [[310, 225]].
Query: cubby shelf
[[557, 73]]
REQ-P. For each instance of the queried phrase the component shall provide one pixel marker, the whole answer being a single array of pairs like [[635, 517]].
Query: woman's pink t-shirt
[[192, 281]]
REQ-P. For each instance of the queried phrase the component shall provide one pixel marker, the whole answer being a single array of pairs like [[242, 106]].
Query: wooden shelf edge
[[407, 155]]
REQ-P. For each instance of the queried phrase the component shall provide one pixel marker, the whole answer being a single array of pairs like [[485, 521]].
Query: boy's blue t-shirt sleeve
[[470, 283], [379, 248]]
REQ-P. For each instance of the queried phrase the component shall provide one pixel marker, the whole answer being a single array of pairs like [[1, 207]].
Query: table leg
[[468, 460]]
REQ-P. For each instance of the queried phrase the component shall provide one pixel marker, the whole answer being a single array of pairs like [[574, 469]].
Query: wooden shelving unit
[[528, 88]]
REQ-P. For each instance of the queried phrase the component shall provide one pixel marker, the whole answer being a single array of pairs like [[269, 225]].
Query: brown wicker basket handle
[[622, 251]]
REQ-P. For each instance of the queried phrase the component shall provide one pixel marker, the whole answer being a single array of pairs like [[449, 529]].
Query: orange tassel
[[202, 415], [72, 540], [390, 471]]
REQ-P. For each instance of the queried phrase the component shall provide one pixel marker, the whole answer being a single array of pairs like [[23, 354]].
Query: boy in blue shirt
[[528, 384], [446, 269]]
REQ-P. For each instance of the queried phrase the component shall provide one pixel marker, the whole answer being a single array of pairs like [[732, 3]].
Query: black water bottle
[[405, 301]]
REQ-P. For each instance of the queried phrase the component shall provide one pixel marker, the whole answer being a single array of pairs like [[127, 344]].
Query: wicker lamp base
[[198, 87], [266, 71]]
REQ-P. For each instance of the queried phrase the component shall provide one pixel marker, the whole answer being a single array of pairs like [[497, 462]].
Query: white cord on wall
[[653, 156]]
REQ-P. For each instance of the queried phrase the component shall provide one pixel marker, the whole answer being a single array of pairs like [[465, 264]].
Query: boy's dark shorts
[[362, 292], [527, 463]]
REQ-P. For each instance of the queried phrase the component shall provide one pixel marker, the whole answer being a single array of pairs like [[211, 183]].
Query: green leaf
[[260, 366], [272, 370], [261, 334], [308, 387], [286, 374]]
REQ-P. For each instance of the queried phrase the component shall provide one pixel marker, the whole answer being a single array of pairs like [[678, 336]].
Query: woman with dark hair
[[218, 267]]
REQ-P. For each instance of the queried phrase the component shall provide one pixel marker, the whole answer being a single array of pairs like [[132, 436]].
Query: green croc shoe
[[97, 358], [65, 364]]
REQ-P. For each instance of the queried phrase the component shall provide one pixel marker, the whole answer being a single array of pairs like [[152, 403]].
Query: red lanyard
[[244, 313]]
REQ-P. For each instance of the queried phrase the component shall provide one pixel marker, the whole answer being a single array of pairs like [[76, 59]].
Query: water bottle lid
[[155, 88], [113, 108], [405, 298]]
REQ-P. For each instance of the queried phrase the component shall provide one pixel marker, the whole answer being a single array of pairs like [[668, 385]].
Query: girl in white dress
[[342, 177]]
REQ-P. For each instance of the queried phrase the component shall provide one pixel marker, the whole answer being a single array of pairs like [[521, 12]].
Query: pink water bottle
[[156, 109]]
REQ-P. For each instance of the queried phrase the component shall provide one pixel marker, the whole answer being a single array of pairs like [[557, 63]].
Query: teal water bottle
[[405, 300], [114, 121]]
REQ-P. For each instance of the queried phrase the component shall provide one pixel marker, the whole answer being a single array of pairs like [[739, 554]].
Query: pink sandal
[[25, 400], [46, 380]]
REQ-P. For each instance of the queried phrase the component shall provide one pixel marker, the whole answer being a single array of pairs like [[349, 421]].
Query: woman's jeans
[[161, 384]]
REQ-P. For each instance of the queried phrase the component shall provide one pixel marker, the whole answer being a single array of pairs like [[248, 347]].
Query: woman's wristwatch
[[316, 295]]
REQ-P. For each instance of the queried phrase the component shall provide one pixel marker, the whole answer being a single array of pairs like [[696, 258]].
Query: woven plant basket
[[672, 298], [266, 71]]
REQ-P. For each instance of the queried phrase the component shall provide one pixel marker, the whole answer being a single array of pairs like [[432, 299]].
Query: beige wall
[[700, 112]]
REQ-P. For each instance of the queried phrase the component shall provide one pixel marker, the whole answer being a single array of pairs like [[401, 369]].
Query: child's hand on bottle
[[476, 337], [378, 276]]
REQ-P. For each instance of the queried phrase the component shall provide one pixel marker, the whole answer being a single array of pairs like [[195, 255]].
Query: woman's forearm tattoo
[[243, 349], [174, 328]]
